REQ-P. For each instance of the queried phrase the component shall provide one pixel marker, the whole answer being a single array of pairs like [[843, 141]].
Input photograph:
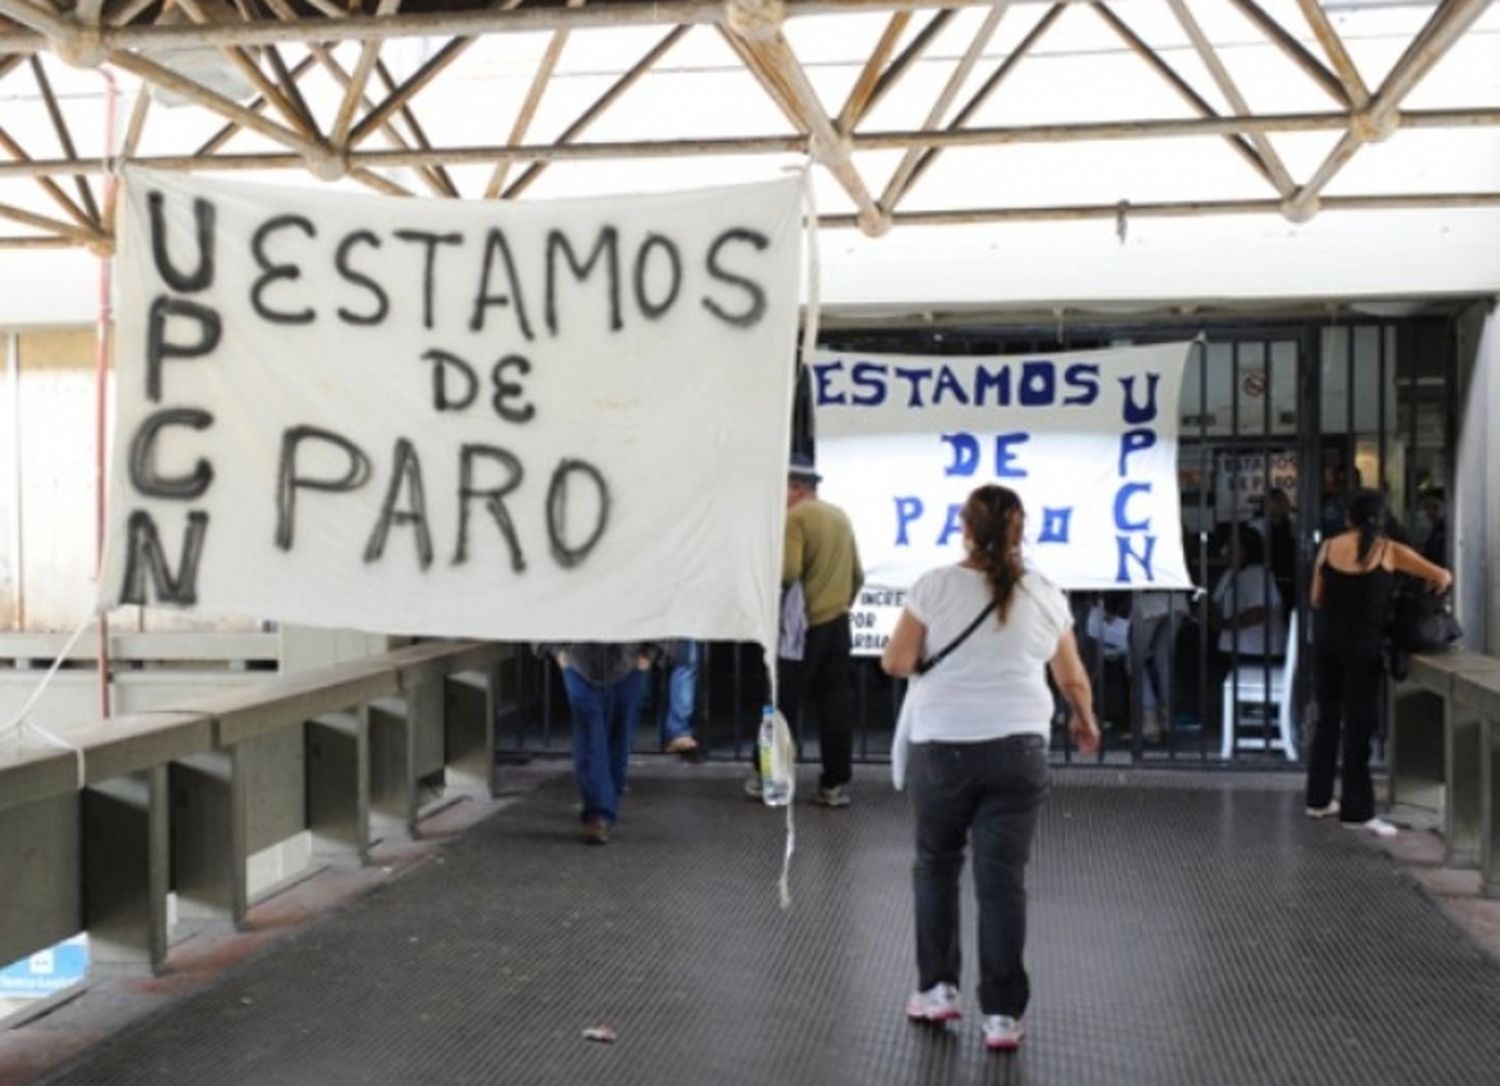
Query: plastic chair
[[1262, 685]]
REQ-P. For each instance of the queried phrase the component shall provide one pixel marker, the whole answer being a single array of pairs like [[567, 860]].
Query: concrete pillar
[[126, 869], [1474, 514]]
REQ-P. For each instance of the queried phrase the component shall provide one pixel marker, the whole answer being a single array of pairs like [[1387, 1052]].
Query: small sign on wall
[[46, 972]]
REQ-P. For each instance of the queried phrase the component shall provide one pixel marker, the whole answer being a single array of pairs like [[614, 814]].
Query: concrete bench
[[1443, 735], [183, 800]]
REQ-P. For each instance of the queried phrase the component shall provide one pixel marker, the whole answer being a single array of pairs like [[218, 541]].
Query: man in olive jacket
[[820, 553]]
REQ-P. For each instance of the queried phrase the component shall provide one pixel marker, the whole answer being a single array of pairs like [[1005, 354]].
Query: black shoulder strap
[[927, 665]]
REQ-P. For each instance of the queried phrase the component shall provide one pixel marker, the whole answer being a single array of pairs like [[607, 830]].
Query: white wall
[[1476, 512]]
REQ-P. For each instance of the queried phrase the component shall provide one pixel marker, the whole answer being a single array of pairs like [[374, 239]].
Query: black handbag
[[1422, 620]]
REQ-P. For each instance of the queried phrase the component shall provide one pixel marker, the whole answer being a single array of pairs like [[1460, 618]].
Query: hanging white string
[[782, 736], [19, 724]]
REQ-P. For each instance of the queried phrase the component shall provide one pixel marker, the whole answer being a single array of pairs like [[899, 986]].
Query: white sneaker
[[1002, 1033], [1378, 826], [833, 796], [1324, 812], [938, 1004]]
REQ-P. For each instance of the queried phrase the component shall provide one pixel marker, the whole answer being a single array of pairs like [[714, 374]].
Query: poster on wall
[[1087, 439], [540, 420]]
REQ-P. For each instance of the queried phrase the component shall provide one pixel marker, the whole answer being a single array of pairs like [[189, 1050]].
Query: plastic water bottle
[[775, 774]]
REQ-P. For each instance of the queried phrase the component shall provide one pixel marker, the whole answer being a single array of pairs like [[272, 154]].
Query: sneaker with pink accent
[[1002, 1033], [937, 1004]]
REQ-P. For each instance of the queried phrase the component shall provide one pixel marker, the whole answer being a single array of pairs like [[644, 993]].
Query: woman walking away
[[1351, 589], [977, 637]]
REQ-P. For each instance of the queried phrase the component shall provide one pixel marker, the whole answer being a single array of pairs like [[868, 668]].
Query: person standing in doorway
[[820, 554], [1278, 530], [1351, 591], [978, 714], [1154, 620]]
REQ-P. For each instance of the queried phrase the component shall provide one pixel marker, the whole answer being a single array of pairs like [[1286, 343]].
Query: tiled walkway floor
[[1188, 929]]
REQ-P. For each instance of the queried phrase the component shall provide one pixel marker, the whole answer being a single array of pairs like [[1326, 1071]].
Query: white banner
[[537, 420], [1087, 439]]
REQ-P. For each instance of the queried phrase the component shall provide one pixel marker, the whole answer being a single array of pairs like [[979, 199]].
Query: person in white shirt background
[[1247, 605], [1247, 611]]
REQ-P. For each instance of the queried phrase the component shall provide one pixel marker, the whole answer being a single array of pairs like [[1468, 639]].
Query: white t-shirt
[[1250, 588], [994, 684]]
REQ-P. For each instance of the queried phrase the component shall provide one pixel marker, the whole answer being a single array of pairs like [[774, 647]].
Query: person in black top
[[1351, 590]]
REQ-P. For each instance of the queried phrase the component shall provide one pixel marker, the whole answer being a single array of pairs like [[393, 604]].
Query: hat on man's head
[[801, 468]]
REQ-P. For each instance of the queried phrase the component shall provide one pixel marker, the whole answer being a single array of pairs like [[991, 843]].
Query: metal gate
[[1281, 421]]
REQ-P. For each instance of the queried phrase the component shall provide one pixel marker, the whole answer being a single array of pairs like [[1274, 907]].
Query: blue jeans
[[682, 694], [989, 793], [604, 719]]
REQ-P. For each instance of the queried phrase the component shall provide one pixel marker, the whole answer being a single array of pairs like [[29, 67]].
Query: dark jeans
[[991, 792], [1348, 692], [604, 720], [825, 677]]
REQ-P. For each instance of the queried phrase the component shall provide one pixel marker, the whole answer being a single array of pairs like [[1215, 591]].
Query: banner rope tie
[[19, 725]]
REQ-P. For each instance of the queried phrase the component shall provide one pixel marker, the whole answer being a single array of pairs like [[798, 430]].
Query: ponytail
[[994, 517], [1367, 516]]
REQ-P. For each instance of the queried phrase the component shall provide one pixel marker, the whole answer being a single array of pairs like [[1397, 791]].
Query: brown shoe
[[683, 744], [596, 832]]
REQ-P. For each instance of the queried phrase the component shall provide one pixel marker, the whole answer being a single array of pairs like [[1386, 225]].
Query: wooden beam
[[53, 190], [777, 68], [255, 105], [1023, 47], [903, 63], [485, 154], [1333, 46], [1172, 210], [128, 12], [599, 105], [1270, 160], [1294, 51], [418, 135], [529, 105], [67, 236], [422, 76], [354, 90], [433, 176], [901, 177], [241, 61], [1181, 86], [440, 23], [78, 234], [165, 77], [864, 87], [291, 90], [64, 137], [1430, 45], [44, 21], [39, 241]]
